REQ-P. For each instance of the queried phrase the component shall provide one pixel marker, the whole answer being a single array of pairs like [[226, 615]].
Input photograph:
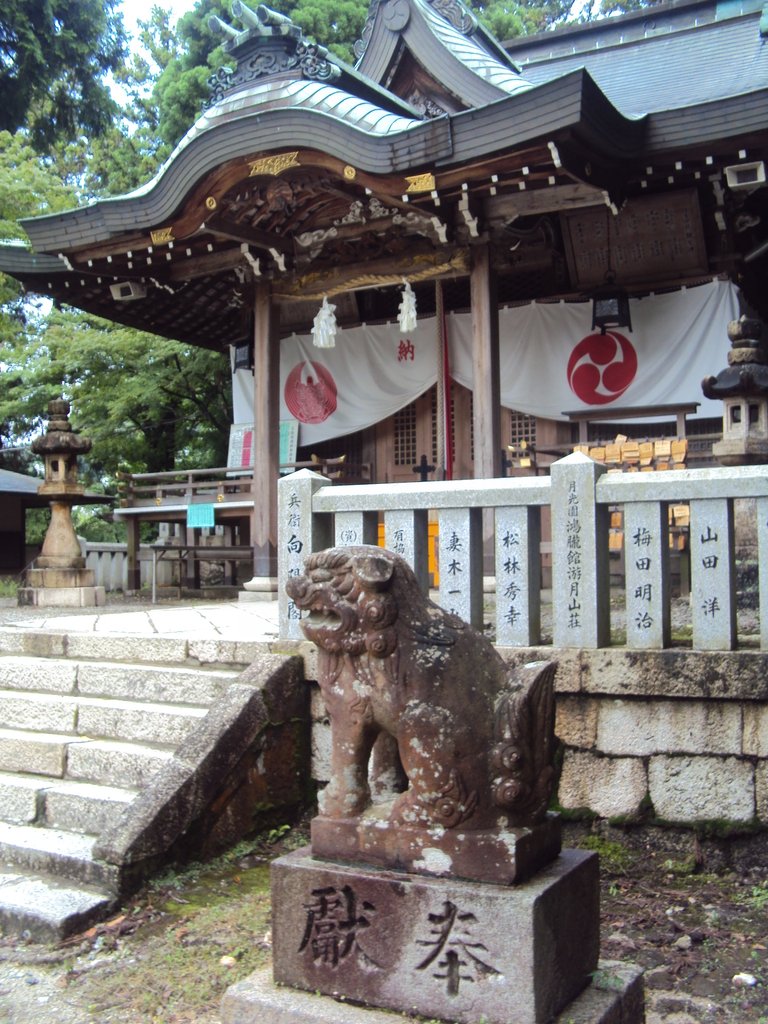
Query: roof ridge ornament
[[456, 14], [270, 44], [361, 44]]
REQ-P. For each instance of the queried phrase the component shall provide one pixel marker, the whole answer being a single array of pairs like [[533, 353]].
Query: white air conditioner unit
[[127, 291], [745, 175]]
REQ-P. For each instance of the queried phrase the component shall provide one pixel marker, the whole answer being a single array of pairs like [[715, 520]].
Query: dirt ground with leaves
[[170, 953]]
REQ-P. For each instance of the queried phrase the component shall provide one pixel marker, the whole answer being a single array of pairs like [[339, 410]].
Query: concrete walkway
[[193, 619]]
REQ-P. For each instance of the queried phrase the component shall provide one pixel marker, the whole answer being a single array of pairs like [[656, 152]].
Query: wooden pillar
[[266, 438], [189, 567], [486, 415], [133, 540]]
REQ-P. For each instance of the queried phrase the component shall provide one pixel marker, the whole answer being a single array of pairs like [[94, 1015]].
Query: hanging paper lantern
[[324, 327], [406, 315]]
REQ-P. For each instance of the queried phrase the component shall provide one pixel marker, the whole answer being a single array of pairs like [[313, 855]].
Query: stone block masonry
[[685, 730]]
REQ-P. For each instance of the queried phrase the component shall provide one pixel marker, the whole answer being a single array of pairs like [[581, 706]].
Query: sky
[[133, 10]]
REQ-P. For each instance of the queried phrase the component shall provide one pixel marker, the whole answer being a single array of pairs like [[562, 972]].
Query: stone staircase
[[86, 724]]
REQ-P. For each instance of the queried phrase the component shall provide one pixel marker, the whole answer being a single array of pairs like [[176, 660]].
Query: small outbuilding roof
[[19, 483], [26, 487]]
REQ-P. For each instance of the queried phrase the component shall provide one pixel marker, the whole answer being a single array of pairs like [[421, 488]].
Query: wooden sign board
[[652, 239], [240, 453]]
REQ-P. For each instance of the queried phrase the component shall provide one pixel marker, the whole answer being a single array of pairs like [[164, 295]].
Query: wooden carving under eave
[[420, 183], [379, 273], [162, 236]]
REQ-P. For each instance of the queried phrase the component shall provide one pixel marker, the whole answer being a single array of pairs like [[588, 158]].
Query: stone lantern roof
[[59, 438]]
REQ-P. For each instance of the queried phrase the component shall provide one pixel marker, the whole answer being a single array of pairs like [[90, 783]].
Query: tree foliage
[[29, 187], [147, 404], [181, 89], [54, 55]]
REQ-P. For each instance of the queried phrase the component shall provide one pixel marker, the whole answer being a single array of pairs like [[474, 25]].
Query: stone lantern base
[[741, 452], [62, 588]]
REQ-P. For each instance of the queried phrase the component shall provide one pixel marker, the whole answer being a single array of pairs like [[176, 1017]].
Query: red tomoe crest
[[601, 367], [310, 392]]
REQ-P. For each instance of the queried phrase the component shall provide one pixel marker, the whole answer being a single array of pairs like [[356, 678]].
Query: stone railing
[[505, 514], [109, 562]]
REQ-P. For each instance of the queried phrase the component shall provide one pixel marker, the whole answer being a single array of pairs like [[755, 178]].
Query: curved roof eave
[[19, 261], [573, 104], [258, 131], [709, 124]]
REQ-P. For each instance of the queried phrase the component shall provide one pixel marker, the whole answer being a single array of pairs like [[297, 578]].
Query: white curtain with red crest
[[551, 362]]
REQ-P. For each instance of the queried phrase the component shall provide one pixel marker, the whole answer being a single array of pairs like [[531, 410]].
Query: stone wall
[[676, 736]]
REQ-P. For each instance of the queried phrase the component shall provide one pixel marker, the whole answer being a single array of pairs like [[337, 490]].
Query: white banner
[[551, 362], [370, 374]]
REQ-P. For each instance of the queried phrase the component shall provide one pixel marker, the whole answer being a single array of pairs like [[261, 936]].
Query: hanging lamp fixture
[[610, 302], [610, 306]]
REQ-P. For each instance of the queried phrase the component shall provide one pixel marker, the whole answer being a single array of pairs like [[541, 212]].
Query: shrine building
[[459, 255]]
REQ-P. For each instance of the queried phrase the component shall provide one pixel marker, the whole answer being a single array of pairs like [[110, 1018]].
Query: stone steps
[[86, 723], [45, 907], [64, 804], [114, 763], [58, 852], [148, 683]]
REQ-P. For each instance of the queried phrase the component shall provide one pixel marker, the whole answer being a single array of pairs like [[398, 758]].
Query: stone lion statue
[[474, 738]]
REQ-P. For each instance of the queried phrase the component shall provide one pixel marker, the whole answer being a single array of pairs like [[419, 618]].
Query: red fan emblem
[[310, 392]]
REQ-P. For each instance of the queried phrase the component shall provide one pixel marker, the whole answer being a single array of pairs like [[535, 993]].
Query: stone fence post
[[580, 570], [299, 533]]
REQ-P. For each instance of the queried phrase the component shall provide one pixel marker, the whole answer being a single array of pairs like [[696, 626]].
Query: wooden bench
[[196, 552]]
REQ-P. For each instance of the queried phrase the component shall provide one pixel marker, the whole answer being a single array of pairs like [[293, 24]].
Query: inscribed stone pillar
[[301, 532], [646, 525], [266, 435], [405, 533], [713, 575], [460, 561], [518, 576], [580, 571]]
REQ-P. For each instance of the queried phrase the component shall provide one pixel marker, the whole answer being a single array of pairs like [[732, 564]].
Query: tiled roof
[[663, 70]]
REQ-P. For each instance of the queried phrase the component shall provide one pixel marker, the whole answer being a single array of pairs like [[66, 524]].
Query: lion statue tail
[[523, 773]]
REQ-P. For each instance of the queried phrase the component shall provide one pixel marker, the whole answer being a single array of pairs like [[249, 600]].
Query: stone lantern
[[743, 388], [58, 576]]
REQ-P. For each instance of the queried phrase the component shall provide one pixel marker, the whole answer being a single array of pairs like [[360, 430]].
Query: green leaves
[[54, 55], [147, 404]]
